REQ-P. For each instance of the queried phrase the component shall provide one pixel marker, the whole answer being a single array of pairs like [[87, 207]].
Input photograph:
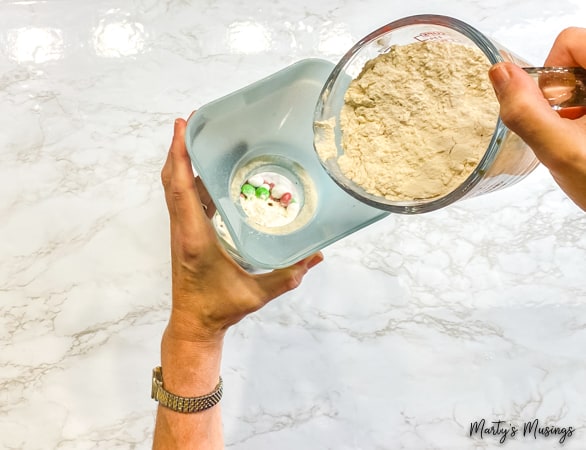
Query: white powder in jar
[[268, 213], [417, 120]]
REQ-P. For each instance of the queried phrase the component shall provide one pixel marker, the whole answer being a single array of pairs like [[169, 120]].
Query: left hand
[[211, 291]]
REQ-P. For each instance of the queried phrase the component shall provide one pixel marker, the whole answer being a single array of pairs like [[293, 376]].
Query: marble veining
[[410, 331]]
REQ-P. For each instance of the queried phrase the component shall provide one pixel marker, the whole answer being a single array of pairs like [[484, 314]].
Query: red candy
[[285, 199]]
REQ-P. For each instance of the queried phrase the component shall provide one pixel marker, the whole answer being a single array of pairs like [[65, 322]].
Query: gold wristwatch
[[183, 404]]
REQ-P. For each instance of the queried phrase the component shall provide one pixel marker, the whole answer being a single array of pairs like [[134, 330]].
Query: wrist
[[186, 326], [190, 367]]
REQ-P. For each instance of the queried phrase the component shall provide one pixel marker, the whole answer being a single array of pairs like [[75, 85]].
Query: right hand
[[559, 143]]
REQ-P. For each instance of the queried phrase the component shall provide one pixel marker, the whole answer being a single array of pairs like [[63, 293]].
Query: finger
[[188, 212], [524, 110], [568, 49], [279, 281]]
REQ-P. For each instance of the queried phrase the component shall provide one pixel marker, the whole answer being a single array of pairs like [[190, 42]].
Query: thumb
[[525, 111], [279, 281]]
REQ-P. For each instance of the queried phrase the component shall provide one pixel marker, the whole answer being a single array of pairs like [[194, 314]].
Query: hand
[[559, 143], [210, 291]]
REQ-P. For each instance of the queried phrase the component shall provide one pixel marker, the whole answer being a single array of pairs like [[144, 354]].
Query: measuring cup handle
[[563, 87]]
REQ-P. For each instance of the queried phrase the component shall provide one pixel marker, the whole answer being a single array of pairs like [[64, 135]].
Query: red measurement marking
[[430, 36]]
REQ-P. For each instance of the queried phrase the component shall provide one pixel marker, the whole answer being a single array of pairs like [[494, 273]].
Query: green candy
[[248, 190], [262, 192]]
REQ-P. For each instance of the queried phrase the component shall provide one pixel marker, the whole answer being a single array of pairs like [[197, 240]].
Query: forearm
[[190, 369]]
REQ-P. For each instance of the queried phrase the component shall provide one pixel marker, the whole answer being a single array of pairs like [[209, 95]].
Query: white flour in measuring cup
[[417, 120]]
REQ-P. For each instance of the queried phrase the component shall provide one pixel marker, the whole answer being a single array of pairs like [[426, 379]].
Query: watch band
[[183, 404]]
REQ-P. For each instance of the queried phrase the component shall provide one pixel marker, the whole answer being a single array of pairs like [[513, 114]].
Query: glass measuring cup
[[506, 160]]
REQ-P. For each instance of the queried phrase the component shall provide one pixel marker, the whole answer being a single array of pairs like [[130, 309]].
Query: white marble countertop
[[408, 332]]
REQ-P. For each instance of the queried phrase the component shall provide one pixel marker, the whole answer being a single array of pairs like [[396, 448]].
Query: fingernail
[[499, 76]]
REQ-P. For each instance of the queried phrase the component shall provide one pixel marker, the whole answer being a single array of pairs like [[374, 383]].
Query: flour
[[417, 120], [268, 213]]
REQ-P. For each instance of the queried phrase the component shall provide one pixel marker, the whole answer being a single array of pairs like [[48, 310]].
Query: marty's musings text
[[534, 429]]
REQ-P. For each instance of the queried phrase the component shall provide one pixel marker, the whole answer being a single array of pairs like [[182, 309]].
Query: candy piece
[[277, 191], [248, 190], [256, 180], [285, 199], [262, 192]]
